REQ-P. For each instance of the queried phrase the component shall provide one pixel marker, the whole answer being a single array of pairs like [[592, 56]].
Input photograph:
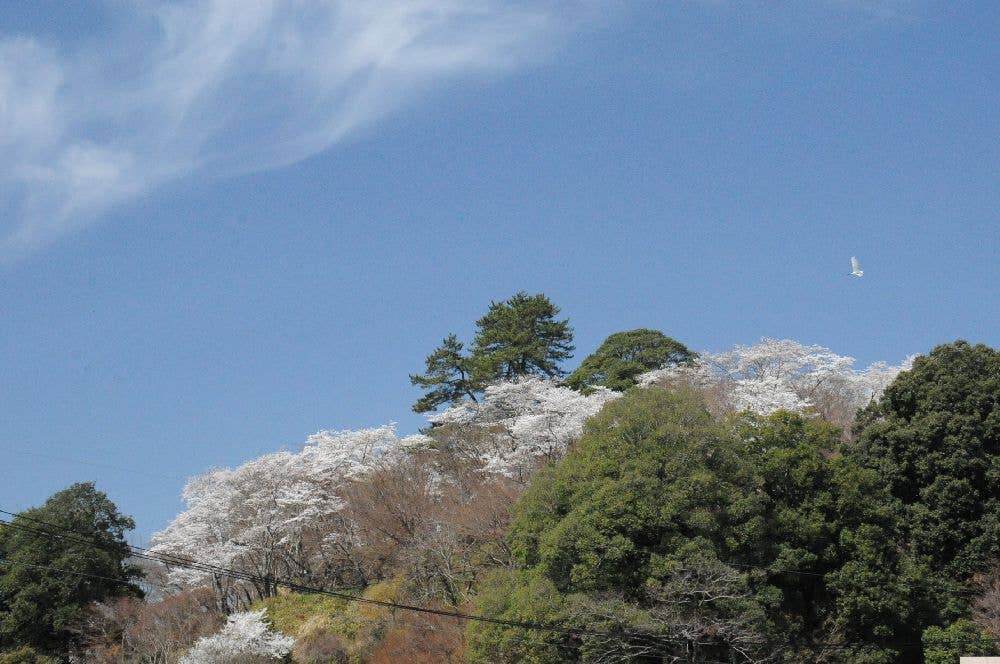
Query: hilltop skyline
[[697, 169]]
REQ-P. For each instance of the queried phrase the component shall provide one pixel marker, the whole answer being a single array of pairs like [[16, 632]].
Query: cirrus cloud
[[223, 87]]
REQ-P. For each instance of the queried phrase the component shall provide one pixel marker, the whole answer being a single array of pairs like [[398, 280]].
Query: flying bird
[[856, 270]]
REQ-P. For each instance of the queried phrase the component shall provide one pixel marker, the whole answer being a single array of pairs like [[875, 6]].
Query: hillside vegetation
[[771, 503]]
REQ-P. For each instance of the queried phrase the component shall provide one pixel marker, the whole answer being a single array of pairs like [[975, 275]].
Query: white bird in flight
[[856, 270]]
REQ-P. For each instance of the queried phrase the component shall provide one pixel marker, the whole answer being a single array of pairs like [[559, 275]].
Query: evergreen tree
[[625, 355], [56, 559], [746, 535], [448, 376], [946, 645], [518, 337], [521, 337]]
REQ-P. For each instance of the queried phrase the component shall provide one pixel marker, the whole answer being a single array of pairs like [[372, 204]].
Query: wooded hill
[[772, 503]]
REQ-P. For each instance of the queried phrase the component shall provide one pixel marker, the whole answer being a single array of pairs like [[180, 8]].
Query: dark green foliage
[[46, 580], [518, 337], [448, 376], [963, 637], [934, 437], [521, 337], [625, 355], [660, 501]]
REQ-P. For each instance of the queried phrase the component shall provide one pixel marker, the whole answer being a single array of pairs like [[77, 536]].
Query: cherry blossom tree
[[777, 374], [518, 423], [271, 516], [245, 639]]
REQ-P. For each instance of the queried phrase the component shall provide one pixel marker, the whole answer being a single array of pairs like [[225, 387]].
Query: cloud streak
[[223, 87]]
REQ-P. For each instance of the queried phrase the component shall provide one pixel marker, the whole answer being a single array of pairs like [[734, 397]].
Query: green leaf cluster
[[25, 655], [946, 645]]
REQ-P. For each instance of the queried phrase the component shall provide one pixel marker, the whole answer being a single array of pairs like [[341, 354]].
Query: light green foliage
[[962, 637], [288, 612], [934, 437], [46, 581], [518, 337], [353, 627], [519, 597], [625, 355]]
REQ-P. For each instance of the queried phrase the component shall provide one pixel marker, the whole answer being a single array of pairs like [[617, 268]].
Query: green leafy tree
[[448, 377], [946, 645], [517, 337], [521, 337], [748, 537], [934, 436], [625, 355], [46, 579]]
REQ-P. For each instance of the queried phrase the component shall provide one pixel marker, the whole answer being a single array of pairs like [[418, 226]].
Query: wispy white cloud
[[229, 86]]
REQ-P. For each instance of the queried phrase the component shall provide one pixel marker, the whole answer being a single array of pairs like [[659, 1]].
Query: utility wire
[[179, 561], [170, 561]]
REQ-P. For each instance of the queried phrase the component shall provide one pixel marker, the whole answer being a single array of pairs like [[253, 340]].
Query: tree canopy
[[623, 356], [780, 547], [521, 337], [518, 337], [934, 436], [46, 579], [714, 512]]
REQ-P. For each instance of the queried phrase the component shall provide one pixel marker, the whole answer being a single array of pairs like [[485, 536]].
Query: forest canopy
[[768, 503]]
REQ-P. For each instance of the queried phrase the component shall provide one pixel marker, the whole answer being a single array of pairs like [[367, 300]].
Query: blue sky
[[224, 229]]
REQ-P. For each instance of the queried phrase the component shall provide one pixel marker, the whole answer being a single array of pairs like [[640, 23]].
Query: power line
[[243, 576], [179, 561]]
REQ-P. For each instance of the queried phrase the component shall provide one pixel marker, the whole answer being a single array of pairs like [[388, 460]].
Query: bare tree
[[130, 630], [986, 606]]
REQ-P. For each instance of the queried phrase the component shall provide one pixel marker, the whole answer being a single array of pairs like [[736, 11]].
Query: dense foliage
[[47, 578], [934, 436], [624, 356], [25, 655], [781, 548]]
